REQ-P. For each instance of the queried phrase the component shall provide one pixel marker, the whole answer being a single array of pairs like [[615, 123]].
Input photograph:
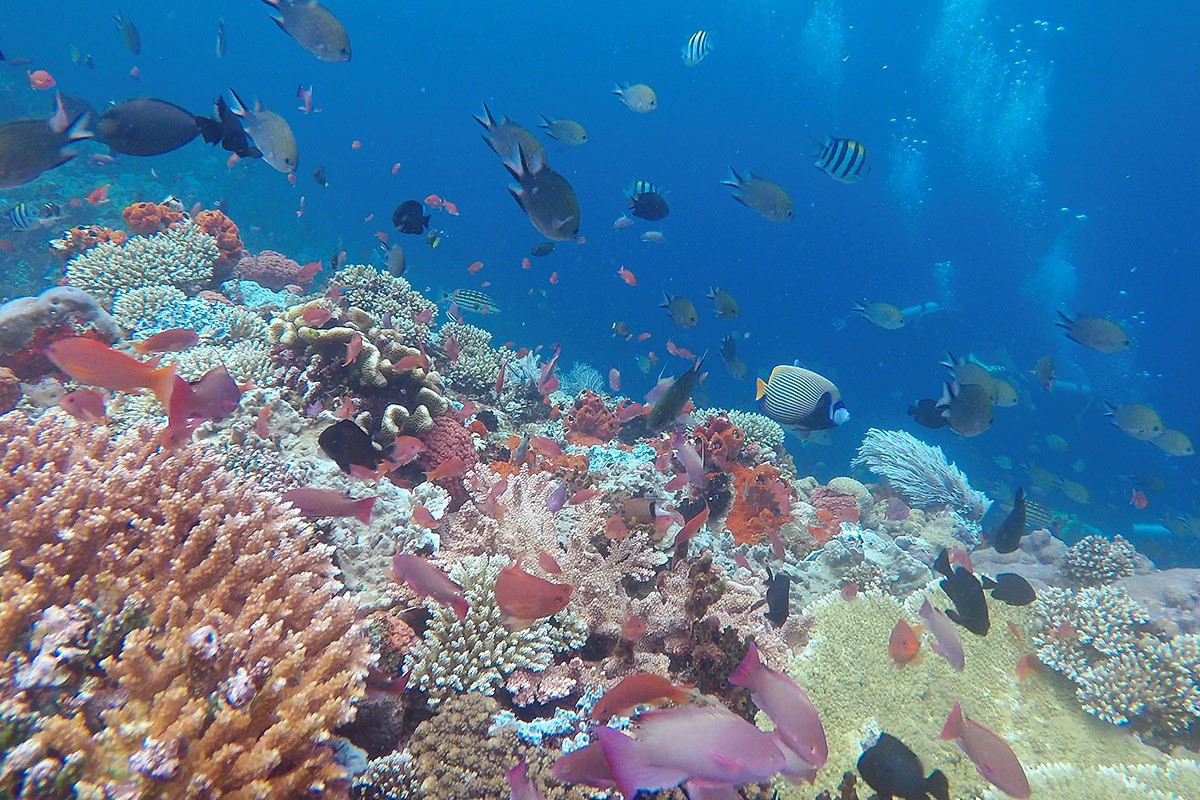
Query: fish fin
[[487, 112], [162, 384], [278, 21], [937, 785], [78, 129], [362, 509], [210, 129], [987, 583], [240, 111], [824, 407], [272, 3], [954, 723], [733, 180], [747, 671], [1064, 321], [760, 389], [618, 89], [942, 564], [666, 303]]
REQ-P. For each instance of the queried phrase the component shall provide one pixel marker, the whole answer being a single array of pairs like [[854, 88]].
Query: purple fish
[[428, 581], [947, 644], [586, 765], [693, 462], [795, 717], [703, 744], [795, 769], [992, 757], [557, 498], [520, 786]]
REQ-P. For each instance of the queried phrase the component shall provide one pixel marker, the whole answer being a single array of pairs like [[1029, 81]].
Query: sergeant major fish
[[844, 160], [697, 48]]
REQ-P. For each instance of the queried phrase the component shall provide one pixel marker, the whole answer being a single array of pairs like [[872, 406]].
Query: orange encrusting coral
[[147, 219], [760, 503], [229, 240], [719, 441], [84, 237], [589, 421]]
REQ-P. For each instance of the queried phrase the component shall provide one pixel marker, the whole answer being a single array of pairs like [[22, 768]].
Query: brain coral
[[858, 690], [167, 630]]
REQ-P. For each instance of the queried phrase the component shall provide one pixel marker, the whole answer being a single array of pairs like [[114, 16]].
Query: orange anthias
[[903, 644], [96, 364], [525, 598], [638, 689]]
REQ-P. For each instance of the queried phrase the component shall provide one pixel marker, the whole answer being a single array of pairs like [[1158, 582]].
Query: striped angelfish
[[471, 300], [844, 160], [801, 399], [696, 49], [24, 218]]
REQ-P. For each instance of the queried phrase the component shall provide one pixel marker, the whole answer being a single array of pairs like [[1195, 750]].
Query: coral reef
[[84, 237], [760, 504], [168, 629], [475, 654], [920, 472], [475, 368], [1124, 672], [28, 324], [1096, 560], [388, 297], [271, 270], [229, 241], [181, 256], [147, 219], [10, 390], [589, 421]]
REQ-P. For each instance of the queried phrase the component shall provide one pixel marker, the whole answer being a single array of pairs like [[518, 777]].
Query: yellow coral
[[210, 652]]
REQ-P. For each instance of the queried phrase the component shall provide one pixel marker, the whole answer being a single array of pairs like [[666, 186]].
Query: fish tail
[[937, 785], [162, 384], [362, 509], [621, 753], [954, 723], [733, 180], [272, 3], [747, 672], [760, 388]]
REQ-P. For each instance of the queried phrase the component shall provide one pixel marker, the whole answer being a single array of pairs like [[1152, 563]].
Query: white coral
[[920, 472]]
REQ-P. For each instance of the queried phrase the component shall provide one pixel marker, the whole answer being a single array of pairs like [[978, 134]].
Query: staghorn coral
[[1096, 560], [229, 241], [181, 256], [191, 636], [474, 655], [920, 472], [379, 293], [147, 219], [1123, 671], [248, 361]]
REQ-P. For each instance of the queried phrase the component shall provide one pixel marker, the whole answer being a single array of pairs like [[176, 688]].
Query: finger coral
[[168, 630]]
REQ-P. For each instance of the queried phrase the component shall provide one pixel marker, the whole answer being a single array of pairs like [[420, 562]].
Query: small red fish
[[641, 337], [406, 450], [347, 409], [630, 411], [547, 562], [395, 168], [415, 361], [315, 316], [614, 379], [300, 210], [633, 628], [553, 278], [173, 340], [676, 483], [992, 756], [291, 179], [524, 598], [381, 236], [1138, 499], [849, 591], [547, 447], [1027, 665], [452, 348], [475, 267], [428, 581], [308, 271], [353, 348], [98, 196], [499, 387], [1012, 628], [85, 405], [641, 688], [491, 505], [903, 644], [261, 428], [369, 217], [355, 144], [615, 527], [451, 468], [326, 503], [423, 317], [582, 496], [526, 263], [423, 517], [692, 526], [520, 785], [233, 159], [450, 208], [627, 276], [135, 73], [7, 246], [40, 80]]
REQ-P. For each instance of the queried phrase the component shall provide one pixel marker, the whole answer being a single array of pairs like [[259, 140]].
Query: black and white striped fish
[[801, 400], [696, 49], [470, 300], [23, 217], [844, 160]]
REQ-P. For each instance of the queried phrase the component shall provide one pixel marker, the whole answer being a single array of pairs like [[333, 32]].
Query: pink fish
[[547, 382], [992, 757], [547, 562], [657, 392], [614, 379], [630, 411], [428, 581], [492, 506], [587, 765], [406, 450], [786, 704], [85, 405], [326, 503], [315, 316], [622, 223], [704, 744], [262, 427], [353, 348], [452, 348], [500, 377], [693, 462], [424, 317], [525, 598], [213, 396], [520, 786], [557, 498], [945, 632]]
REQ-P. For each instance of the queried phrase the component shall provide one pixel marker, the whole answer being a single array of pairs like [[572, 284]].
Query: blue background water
[[981, 127]]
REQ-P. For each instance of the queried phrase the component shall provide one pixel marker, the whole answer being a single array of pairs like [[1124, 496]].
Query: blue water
[[981, 127]]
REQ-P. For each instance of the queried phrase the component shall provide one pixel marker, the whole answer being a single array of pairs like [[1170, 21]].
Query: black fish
[[29, 147], [779, 599], [1007, 537], [147, 126], [347, 444], [233, 136], [129, 34], [670, 404], [964, 590], [892, 770], [542, 249], [319, 177], [646, 201], [1010, 588], [927, 413], [410, 217]]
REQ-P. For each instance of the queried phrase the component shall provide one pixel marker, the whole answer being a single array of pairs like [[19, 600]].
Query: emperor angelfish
[[801, 399], [844, 160], [696, 49]]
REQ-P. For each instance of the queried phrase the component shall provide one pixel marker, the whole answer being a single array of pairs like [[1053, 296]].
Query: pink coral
[[449, 441], [269, 269], [843, 506]]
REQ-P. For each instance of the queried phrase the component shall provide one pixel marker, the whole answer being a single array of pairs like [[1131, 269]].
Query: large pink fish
[[787, 705], [993, 758], [702, 744], [520, 786], [428, 581], [948, 645], [328, 503]]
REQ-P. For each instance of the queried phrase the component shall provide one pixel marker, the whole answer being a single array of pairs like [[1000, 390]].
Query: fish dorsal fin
[[760, 389]]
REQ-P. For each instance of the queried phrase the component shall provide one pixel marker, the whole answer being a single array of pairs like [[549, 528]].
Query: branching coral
[[1123, 671], [920, 472], [181, 256], [380, 294], [475, 368], [167, 630], [1095, 560], [475, 654]]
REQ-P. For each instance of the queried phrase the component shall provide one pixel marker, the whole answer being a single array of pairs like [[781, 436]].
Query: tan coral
[[224, 652]]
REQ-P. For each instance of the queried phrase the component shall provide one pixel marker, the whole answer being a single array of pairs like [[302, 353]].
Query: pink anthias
[[326, 503], [428, 581], [993, 758], [781, 699], [520, 786], [707, 747], [947, 645]]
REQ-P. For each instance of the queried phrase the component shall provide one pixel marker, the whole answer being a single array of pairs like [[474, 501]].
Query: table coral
[[147, 219], [193, 638]]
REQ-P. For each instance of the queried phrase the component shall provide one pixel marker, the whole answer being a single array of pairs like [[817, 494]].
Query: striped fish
[[801, 399], [696, 49], [844, 160], [638, 188], [24, 218], [471, 300]]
